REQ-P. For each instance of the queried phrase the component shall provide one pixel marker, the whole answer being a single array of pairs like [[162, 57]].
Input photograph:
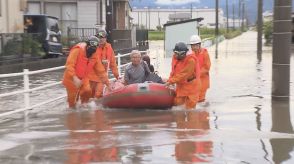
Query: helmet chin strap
[[90, 50]]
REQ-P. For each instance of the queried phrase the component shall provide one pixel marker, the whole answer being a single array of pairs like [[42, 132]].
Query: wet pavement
[[237, 124]]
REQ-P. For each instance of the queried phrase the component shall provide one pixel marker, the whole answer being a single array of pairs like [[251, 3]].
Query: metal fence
[[27, 90]]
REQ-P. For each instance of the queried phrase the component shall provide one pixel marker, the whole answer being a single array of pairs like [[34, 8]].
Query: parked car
[[48, 32]]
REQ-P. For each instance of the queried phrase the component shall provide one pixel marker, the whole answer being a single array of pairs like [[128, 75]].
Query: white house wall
[[65, 12], [53, 9], [34, 8], [88, 14], [178, 32]]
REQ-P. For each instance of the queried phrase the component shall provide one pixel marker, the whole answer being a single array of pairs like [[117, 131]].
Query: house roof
[[180, 16], [184, 21]]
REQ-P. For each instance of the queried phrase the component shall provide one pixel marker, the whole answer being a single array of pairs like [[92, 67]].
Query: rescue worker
[[186, 75], [80, 62], [107, 57], [204, 64]]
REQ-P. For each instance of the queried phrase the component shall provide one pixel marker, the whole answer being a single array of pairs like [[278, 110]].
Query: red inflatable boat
[[141, 95]]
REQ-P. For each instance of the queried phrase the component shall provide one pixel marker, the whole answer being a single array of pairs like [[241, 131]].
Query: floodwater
[[237, 124]]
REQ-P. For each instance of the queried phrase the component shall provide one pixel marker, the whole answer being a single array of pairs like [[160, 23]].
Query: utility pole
[[233, 16], [259, 30], [216, 29], [227, 11], [282, 34], [243, 15], [239, 14], [158, 17], [146, 12], [149, 18], [191, 10], [109, 20]]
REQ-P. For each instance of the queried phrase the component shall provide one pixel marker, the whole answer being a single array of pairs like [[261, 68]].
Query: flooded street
[[239, 123]]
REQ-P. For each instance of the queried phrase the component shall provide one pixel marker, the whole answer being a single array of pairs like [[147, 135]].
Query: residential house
[[11, 19], [100, 14]]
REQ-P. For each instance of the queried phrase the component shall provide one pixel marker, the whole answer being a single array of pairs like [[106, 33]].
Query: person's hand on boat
[[167, 84], [108, 88], [77, 82]]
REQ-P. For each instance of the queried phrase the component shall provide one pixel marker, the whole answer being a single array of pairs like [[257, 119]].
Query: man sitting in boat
[[137, 71]]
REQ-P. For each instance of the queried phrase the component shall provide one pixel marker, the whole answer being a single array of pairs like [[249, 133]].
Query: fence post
[[119, 63], [26, 85], [157, 59], [68, 36]]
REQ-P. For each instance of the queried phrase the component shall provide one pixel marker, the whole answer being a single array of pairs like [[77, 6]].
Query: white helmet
[[195, 39]]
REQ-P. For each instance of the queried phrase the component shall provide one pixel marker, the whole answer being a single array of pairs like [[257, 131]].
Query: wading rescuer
[[107, 57], [82, 61], [204, 64], [186, 75]]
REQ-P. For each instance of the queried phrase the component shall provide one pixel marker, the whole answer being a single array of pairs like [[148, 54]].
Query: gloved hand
[[167, 84], [105, 61], [77, 82], [108, 88]]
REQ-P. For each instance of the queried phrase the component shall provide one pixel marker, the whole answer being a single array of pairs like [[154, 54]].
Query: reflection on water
[[281, 122], [134, 136], [192, 151], [91, 138]]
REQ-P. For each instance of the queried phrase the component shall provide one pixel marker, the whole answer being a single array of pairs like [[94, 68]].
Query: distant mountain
[[250, 5]]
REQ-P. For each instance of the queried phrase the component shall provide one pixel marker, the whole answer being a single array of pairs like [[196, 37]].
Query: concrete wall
[[11, 16]]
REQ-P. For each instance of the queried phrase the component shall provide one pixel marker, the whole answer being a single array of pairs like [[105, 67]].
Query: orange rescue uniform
[[79, 65], [104, 53], [204, 64], [186, 75]]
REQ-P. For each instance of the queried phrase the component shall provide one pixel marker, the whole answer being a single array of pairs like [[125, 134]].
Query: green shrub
[[155, 35], [268, 31], [204, 33], [32, 46], [232, 34], [23, 44], [12, 47]]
